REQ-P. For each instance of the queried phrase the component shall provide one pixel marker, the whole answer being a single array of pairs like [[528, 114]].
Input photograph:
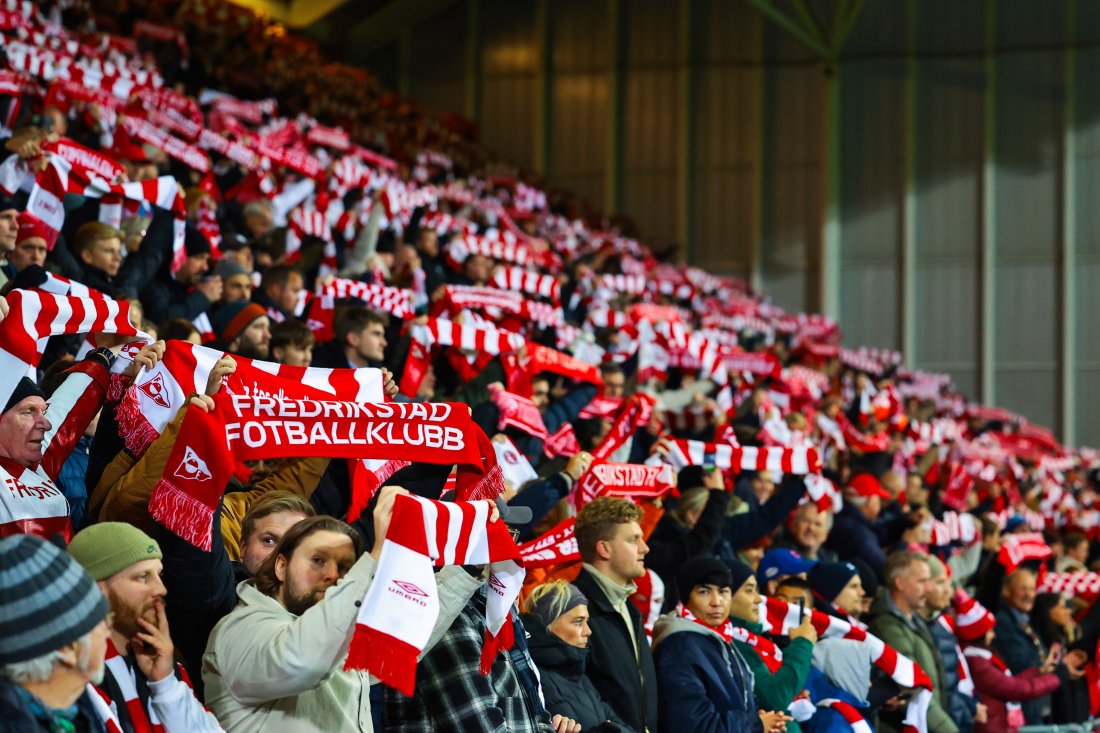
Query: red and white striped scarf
[[737, 458], [545, 359], [849, 712], [144, 719], [287, 418], [402, 604], [508, 251], [159, 393], [527, 281], [31, 503], [60, 177], [34, 316], [779, 618], [395, 301], [480, 338]]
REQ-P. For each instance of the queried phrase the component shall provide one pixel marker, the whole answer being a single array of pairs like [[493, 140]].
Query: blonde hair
[[558, 589]]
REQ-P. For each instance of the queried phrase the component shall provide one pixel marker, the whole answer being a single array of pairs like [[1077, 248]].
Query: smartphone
[[1057, 649], [801, 609]]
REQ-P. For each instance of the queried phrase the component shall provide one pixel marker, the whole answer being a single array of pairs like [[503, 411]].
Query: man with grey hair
[[895, 620], [807, 529], [53, 637]]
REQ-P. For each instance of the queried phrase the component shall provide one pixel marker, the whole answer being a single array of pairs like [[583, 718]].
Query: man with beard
[[277, 661], [244, 329], [142, 679]]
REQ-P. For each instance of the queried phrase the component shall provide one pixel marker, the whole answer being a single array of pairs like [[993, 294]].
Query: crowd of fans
[[726, 521]]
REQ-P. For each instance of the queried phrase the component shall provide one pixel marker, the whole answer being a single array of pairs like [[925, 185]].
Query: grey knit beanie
[[46, 599]]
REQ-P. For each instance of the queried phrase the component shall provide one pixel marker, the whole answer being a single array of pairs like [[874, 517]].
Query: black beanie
[[26, 388], [705, 571], [867, 577], [195, 242], [829, 578]]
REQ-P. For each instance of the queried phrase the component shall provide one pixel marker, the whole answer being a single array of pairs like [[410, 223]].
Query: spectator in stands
[[1016, 642], [807, 530], [962, 708], [775, 687], [703, 680], [614, 380], [33, 447], [236, 281], [556, 617], [671, 545], [778, 565], [98, 261], [279, 291], [185, 293], [895, 619], [142, 680], [54, 639], [9, 231], [838, 589], [259, 218], [292, 343], [853, 534], [30, 245], [244, 329], [793, 589], [179, 329], [620, 664], [1076, 553], [360, 341], [277, 659], [1001, 691], [1052, 620]]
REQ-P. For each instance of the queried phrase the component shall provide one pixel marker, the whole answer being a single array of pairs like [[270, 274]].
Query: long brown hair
[[266, 580]]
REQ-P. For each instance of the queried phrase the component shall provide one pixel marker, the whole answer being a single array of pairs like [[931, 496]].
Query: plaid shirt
[[452, 695]]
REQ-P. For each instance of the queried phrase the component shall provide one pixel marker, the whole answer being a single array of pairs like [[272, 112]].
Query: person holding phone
[[776, 684]]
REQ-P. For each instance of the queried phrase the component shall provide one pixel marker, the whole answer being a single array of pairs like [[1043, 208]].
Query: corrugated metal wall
[[964, 177]]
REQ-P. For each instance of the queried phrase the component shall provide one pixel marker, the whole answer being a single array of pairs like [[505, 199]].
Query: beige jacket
[[266, 669]]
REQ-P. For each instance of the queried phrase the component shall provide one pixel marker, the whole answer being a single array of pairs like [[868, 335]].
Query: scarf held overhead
[[402, 604], [244, 427]]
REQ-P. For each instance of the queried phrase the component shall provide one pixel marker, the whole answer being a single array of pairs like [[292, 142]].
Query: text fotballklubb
[[258, 433], [252, 405]]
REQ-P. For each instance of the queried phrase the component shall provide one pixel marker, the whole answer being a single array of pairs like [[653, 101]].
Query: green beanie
[[110, 547]]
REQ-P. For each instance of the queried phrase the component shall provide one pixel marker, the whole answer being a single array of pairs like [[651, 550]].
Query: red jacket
[[996, 687]]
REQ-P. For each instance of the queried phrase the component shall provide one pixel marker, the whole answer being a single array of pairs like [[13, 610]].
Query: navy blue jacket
[[1021, 651], [854, 536], [704, 684]]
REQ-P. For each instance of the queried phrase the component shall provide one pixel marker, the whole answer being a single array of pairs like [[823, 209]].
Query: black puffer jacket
[[565, 687]]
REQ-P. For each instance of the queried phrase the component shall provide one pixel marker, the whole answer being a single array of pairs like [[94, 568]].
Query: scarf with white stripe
[[34, 316], [779, 618], [402, 603], [159, 393], [395, 301]]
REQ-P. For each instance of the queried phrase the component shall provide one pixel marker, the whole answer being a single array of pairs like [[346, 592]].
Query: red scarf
[[396, 617], [247, 427], [727, 630], [624, 479]]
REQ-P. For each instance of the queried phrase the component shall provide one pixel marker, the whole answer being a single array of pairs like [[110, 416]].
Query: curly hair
[[599, 519]]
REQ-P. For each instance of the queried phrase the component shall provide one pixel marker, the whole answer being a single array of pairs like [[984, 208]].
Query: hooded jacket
[[565, 688], [705, 685]]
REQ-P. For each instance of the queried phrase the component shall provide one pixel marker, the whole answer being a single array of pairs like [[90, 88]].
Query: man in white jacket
[[276, 663]]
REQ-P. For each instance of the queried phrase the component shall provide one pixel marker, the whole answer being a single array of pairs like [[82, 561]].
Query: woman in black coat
[[556, 618], [1052, 620]]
